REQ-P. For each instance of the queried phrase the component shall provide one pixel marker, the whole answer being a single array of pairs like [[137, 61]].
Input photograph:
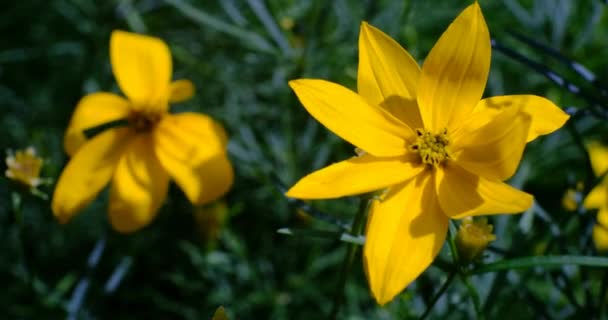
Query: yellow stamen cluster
[[143, 121], [473, 238], [24, 167], [432, 148]]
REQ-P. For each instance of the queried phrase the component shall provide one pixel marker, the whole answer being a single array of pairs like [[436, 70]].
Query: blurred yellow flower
[[437, 150], [598, 197], [23, 167], [155, 146], [572, 197], [472, 238]]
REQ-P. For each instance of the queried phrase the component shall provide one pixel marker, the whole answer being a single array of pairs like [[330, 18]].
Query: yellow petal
[[602, 217], [545, 115], [493, 150], [181, 90], [388, 75], [462, 194], [349, 116], [599, 157], [88, 172], [93, 110], [405, 231], [139, 187], [142, 67], [192, 148], [600, 237], [455, 72], [355, 176], [597, 197]]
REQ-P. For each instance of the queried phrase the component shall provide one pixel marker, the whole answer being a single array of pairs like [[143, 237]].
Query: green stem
[[544, 261], [355, 230], [464, 275], [439, 294], [474, 295]]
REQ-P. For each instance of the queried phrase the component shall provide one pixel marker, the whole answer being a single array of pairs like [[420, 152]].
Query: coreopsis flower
[[598, 197], [472, 238], [155, 146], [23, 167], [435, 148]]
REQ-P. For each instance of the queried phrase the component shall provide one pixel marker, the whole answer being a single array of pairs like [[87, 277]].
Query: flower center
[[143, 121], [432, 148]]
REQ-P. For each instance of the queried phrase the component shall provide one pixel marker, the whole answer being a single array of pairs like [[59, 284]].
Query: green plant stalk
[[444, 287], [541, 261], [349, 258]]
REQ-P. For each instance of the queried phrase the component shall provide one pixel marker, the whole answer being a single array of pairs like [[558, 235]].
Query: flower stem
[[355, 230], [439, 294], [474, 295]]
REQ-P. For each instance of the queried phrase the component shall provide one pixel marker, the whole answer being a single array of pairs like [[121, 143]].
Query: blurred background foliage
[[240, 54]]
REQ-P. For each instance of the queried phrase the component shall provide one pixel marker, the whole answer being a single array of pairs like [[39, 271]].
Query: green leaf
[[327, 234], [542, 261], [251, 39]]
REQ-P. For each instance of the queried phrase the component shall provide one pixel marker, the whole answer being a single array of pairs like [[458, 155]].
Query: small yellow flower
[[598, 197], [472, 238], [24, 167], [220, 314], [572, 197], [430, 141], [155, 146]]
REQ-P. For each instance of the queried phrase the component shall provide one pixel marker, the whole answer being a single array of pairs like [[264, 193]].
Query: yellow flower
[[155, 146], [437, 150], [24, 167], [598, 197], [472, 238]]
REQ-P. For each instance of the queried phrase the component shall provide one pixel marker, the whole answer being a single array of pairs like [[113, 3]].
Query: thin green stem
[[541, 261], [439, 294], [356, 229], [474, 295]]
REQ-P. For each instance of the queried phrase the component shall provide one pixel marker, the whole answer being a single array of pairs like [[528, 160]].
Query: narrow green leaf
[[253, 40], [326, 234], [542, 261]]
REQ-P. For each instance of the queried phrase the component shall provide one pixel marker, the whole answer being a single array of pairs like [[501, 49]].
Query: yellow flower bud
[[24, 167], [473, 238]]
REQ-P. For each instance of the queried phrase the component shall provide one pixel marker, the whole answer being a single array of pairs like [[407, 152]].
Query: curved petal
[[388, 75], [181, 90], [405, 232], [600, 230], [349, 116], [598, 197], [88, 172], [493, 150], [356, 175], [600, 237], [463, 194], [455, 72], [142, 67], [545, 116], [192, 148], [93, 110], [599, 157], [139, 187]]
